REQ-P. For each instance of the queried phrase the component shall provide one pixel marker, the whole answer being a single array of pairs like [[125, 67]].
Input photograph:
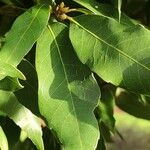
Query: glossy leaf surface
[[117, 53], [23, 117], [3, 140], [9, 70], [68, 93], [25, 31]]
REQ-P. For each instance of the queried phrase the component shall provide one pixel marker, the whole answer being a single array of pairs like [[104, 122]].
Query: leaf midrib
[[66, 77], [121, 52], [24, 34]]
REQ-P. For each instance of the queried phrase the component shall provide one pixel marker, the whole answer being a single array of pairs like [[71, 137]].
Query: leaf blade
[[132, 104], [119, 8], [10, 84], [30, 90], [23, 117], [111, 58], [9, 70], [118, 4], [106, 10], [106, 106], [63, 97], [24, 33], [3, 140]]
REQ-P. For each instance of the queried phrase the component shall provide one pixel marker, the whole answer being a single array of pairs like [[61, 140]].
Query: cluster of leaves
[[62, 69]]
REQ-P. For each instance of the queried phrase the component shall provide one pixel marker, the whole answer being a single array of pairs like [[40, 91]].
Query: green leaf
[[105, 10], [11, 130], [3, 140], [28, 96], [118, 4], [9, 77], [119, 54], [105, 133], [24, 33], [10, 84], [95, 7], [104, 111], [133, 104], [119, 8], [106, 106], [101, 144], [9, 70], [23, 117], [68, 93]]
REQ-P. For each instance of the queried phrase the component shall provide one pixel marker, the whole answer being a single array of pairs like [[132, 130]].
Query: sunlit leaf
[[3, 140], [9, 70], [119, 54], [68, 93], [25, 31], [11, 130], [23, 117]]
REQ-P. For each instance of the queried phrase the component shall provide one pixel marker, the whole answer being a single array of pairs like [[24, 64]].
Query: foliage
[[63, 65]]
